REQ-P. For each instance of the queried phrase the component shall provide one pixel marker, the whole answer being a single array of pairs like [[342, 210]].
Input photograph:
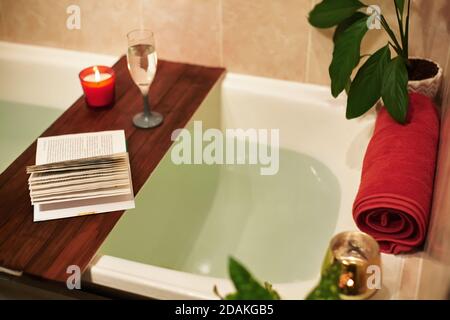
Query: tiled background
[[261, 37], [269, 38]]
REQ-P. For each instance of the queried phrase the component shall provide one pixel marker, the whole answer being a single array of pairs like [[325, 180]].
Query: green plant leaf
[[346, 55], [328, 287], [344, 25], [400, 4], [348, 85], [406, 48], [247, 287], [394, 90], [272, 292], [329, 13], [366, 87]]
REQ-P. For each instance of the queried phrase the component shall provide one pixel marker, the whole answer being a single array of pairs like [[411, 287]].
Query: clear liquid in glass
[[142, 63]]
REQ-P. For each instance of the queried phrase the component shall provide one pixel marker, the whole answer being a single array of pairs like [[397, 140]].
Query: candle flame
[[350, 283], [96, 74]]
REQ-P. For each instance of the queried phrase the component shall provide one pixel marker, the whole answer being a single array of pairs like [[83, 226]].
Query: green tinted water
[[192, 217], [20, 125]]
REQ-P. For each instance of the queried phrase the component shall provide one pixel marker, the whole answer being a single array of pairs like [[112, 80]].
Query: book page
[[78, 207], [98, 192], [115, 160], [55, 176], [79, 146], [80, 188], [41, 184], [79, 174]]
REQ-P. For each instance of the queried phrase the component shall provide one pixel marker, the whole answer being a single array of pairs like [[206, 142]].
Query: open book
[[79, 174]]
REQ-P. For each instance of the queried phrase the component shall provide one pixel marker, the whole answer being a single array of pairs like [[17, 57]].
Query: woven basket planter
[[428, 87]]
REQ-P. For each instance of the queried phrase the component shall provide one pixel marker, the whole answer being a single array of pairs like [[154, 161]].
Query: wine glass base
[[140, 120]]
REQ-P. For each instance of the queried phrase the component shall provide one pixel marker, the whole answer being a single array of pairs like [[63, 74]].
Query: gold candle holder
[[358, 254]]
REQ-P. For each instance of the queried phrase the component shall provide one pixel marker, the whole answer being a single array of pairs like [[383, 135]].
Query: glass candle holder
[[98, 84], [358, 254]]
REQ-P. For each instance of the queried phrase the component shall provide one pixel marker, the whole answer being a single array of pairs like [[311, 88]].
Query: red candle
[[98, 84]]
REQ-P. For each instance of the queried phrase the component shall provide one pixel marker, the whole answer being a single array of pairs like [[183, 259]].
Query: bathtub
[[189, 219], [36, 86]]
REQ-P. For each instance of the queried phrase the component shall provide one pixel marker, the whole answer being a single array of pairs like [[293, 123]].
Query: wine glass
[[142, 62]]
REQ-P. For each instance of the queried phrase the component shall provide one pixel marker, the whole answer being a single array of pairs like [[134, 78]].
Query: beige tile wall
[[2, 24], [435, 276], [261, 37], [266, 37]]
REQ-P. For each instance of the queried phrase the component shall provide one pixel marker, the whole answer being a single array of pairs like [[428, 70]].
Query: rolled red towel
[[394, 198]]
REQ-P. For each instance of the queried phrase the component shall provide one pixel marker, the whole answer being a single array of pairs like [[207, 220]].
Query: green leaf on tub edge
[[329, 13], [365, 90], [394, 90], [346, 55], [271, 290], [248, 288], [328, 287]]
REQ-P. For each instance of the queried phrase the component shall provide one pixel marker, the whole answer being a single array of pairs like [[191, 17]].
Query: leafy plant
[[248, 288], [328, 286], [381, 76]]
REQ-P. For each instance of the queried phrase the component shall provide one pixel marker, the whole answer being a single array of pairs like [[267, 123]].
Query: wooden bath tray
[[46, 249]]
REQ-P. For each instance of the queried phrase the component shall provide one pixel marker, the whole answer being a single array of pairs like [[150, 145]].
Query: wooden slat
[[45, 249]]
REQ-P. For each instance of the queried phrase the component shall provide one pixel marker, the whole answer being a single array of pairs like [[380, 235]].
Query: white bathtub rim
[[142, 279], [162, 283], [44, 76], [313, 94], [50, 55]]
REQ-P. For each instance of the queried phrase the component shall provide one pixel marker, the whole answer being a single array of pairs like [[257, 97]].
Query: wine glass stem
[[146, 106]]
